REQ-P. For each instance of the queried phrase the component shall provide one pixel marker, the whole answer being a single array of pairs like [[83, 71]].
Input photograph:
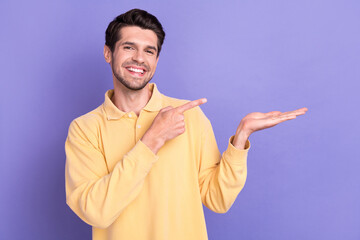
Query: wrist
[[243, 130], [240, 139], [152, 142]]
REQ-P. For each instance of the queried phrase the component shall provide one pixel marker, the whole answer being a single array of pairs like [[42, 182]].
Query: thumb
[[166, 109]]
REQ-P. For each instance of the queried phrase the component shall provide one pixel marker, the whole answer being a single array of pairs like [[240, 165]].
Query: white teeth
[[136, 70]]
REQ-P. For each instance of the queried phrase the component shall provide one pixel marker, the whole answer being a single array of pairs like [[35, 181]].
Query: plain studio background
[[244, 56]]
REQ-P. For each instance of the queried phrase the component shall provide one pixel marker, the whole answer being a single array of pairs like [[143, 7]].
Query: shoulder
[[92, 117], [87, 125]]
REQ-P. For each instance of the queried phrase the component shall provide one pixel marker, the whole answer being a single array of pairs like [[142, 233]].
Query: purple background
[[244, 56]]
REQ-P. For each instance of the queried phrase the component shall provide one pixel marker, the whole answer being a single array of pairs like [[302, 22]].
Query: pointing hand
[[168, 124]]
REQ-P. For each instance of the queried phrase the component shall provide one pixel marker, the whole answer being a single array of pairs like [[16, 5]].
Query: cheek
[[117, 62], [153, 65], [116, 67]]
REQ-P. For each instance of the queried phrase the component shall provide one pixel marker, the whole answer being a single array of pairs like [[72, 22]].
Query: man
[[140, 165]]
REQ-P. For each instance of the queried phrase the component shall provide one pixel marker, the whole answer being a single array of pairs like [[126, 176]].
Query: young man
[[140, 165]]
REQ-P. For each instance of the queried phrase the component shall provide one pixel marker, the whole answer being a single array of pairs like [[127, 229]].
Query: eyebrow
[[133, 44]]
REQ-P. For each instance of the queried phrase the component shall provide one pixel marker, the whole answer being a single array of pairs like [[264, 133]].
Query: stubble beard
[[129, 83]]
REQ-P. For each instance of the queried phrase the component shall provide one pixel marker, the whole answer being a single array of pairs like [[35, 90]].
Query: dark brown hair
[[134, 17]]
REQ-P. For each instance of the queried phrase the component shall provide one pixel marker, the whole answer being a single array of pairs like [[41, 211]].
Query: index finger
[[190, 105]]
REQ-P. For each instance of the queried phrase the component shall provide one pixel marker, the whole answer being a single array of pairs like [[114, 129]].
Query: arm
[[94, 194], [221, 181], [221, 177]]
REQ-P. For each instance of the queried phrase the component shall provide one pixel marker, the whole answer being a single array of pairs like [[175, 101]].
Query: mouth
[[137, 71]]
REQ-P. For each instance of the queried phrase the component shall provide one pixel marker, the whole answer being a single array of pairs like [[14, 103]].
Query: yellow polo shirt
[[115, 183]]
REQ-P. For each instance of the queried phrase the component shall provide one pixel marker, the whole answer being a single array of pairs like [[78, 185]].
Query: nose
[[138, 56]]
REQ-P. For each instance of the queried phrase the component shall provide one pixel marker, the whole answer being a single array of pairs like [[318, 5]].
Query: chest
[[176, 158]]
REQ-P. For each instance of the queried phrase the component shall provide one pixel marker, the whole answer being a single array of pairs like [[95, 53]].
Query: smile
[[135, 70]]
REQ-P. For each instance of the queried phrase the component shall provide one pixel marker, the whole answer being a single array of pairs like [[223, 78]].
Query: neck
[[129, 100]]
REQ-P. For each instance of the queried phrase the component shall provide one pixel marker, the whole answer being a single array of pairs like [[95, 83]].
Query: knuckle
[[181, 130], [179, 117]]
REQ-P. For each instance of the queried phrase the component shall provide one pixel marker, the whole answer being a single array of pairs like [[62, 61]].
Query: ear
[[107, 54]]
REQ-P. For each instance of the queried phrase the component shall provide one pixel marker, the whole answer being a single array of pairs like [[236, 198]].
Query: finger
[[300, 111], [287, 117], [166, 109], [280, 119], [273, 113], [179, 117], [297, 112], [190, 105], [303, 109]]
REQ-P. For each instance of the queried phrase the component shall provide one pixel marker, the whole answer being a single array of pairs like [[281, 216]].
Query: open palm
[[257, 121]]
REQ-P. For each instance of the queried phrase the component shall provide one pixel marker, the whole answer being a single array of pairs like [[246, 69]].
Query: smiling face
[[134, 59]]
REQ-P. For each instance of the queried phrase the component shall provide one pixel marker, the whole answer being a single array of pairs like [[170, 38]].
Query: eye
[[150, 52], [128, 48]]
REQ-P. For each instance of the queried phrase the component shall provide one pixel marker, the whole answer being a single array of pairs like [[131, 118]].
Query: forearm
[[221, 183]]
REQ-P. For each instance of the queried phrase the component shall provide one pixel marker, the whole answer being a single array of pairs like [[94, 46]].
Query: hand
[[168, 124], [257, 121]]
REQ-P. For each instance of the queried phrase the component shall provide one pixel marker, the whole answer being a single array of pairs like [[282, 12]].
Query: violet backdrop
[[244, 56]]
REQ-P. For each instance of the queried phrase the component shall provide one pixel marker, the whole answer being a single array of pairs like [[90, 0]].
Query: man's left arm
[[221, 178]]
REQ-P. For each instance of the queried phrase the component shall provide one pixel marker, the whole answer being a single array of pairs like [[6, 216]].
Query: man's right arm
[[95, 195], [168, 124]]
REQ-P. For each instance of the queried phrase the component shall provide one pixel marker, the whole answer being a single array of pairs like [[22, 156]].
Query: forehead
[[138, 36]]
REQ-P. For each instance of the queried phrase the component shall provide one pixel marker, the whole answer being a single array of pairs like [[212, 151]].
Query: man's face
[[134, 59]]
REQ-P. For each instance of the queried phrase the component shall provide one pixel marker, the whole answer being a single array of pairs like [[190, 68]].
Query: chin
[[134, 87], [133, 84]]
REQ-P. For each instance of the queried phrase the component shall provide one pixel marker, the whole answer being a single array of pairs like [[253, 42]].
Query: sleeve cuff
[[234, 155], [142, 155]]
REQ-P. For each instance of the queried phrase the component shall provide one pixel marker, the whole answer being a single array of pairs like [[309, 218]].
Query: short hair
[[134, 17]]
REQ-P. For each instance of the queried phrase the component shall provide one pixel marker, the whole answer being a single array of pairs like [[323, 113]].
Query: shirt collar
[[154, 104]]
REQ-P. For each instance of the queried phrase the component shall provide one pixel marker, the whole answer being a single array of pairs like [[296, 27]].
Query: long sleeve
[[221, 178], [96, 195]]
